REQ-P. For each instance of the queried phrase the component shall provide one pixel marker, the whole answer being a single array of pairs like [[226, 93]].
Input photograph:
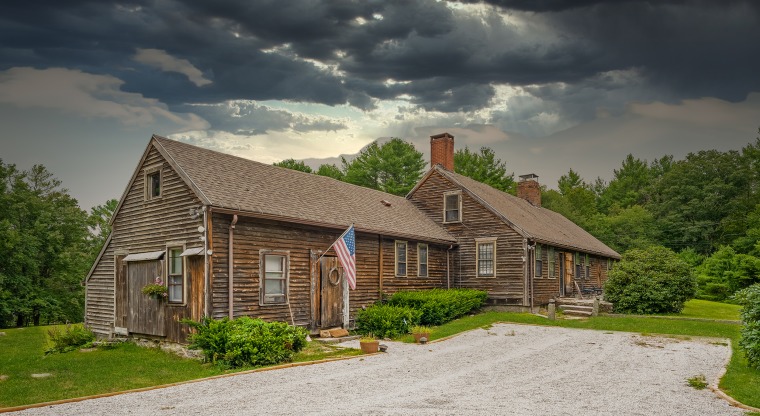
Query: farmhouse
[[228, 236]]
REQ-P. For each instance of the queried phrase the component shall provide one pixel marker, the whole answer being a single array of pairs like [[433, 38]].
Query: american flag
[[346, 249]]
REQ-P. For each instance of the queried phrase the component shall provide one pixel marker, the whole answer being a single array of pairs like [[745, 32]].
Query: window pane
[[402, 269], [175, 261], [175, 288], [485, 259], [423, 254], [451, 208], [423, 270], [274, 263], [274, 286], [401, 252], [155, 184]]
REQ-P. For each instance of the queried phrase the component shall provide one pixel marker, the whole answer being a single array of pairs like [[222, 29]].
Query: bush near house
[[749, 298], [69, 338], [386, 321], [245, 341], [439, 306], [649, 281]]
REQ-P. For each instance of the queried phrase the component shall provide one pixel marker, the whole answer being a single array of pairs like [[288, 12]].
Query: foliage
[[749, 298], [246, 341], [155, 290], [484, 167], [69, 338], [294, 164], [649, 281], [394, 167], [439, 306], [725, 272], [98, 223], [386, 321], [44, 251], [625, 228], [331, 171], [421, 329], [698, 382]]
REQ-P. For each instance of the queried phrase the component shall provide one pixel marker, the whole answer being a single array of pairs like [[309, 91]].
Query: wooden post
[[595, 310], [380, 265], [552, 309]]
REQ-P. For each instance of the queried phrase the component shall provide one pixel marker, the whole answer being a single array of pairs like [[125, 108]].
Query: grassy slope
[[78, 374]]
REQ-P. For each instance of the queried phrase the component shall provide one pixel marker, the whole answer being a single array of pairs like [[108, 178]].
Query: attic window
[[153, 183], [452, 206]]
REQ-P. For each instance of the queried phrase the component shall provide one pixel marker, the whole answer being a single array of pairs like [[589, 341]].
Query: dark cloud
[[443, 58]]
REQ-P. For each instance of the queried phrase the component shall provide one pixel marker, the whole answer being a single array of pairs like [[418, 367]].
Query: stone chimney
[[529, 189], [442, 151]]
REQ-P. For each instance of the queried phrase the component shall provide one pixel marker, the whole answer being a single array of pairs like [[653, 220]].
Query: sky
[[550, 85]]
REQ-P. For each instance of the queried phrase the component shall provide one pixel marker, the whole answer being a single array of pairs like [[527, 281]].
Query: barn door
[[331, 292], [146, 314]]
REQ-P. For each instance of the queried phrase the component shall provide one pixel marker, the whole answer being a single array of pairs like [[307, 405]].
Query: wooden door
[[331, 292], [122, 293], [568, 273], [561, 261], [146, 314], [195, 281]]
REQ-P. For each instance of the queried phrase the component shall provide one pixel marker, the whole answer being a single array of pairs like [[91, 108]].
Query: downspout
[[206, 280], [231, 266], [531, 276], [448, 268]]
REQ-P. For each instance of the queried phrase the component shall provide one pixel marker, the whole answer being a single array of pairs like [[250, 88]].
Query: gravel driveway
[[505, 370]]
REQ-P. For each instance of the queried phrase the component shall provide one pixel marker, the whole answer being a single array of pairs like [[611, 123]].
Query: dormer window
[[452, 206], [153, 183]]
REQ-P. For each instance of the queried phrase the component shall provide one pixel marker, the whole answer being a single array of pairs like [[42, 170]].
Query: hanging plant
[[156, 290]]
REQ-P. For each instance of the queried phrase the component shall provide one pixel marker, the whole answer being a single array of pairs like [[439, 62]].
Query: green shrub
[[649, 281], [439, 306], [749, 298], [386, 321], [246, 341], [70, 338]]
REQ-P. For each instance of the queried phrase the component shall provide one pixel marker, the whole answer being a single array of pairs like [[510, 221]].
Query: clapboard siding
[[508, 285], [144, 226], [252, 235]]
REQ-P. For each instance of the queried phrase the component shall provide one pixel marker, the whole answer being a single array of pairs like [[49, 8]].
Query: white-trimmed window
[[175, 275], [153, 183], [452, 206], [485, 257], [401, 258], [274, 278], [422, 260], [539, 261], [551, 257]]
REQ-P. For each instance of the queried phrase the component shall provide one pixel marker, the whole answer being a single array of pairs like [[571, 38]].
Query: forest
[[704, 207]]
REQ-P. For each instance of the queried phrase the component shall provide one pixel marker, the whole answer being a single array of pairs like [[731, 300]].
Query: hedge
[[386, 321], [439, 306]]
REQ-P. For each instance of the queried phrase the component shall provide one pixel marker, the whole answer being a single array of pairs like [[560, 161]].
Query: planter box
[[369, 347]]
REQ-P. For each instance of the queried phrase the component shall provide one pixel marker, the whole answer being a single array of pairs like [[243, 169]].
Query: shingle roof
[[540, 224], [244, 185]]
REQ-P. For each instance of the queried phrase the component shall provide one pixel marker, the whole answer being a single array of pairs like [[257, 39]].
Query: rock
[[324, 334], [382, 347], [4, 377], [87, 349], [2, 334], [337, 333], [41, 375]]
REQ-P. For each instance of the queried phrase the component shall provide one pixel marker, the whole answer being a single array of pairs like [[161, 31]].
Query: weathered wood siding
[[546, 286], [144, 226], [508, 285], [436, 277], [99, 314], [252, 235]]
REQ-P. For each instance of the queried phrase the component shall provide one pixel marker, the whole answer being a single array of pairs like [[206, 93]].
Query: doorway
[[330, 292]]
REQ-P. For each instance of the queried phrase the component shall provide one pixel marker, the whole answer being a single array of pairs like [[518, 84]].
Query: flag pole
[[336, 240]]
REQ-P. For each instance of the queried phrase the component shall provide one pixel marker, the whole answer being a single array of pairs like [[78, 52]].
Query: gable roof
[[244, 186], [536, 223]]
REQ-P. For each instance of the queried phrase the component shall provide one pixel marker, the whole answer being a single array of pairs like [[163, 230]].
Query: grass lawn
[[77, 374], [740, 381]]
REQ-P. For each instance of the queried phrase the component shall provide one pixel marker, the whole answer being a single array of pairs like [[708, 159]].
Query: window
[[578, 266], [275, 279], [588, 267], [152, 183], [176, 275], [452, 206], [608, 264], [422, 260], [485, 257], [539, 262], [552, 262], [400, 258]]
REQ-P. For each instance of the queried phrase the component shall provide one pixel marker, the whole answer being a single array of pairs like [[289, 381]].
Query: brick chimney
[[442, 151], [529, 189]]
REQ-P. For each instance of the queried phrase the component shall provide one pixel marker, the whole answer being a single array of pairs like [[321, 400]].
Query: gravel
[[507, 369]]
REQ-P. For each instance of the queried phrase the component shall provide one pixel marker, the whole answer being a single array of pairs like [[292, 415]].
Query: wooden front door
[[146, 314], [568, 273], [195, 282], [562, 273], [331, 292]]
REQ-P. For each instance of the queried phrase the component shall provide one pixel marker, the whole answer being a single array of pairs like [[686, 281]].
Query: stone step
[[583, 308], [575, 312]]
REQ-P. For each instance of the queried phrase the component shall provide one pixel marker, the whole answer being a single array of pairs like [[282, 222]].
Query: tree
[[625, 228], [395, 167], [484, 167], [725, 272], [43, 242], [98, 223], [627, 188], [294, 164], [649, 281], [331, 171]]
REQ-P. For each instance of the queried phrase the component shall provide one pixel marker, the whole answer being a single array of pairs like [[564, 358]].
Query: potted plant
[[420, 332], [155, 290], [369, 344]]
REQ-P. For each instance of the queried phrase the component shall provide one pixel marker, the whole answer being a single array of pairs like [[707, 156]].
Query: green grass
[[740, 381], [697, 308], [77, 374]]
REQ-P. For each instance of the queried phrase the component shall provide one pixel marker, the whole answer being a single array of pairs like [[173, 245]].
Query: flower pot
[[369, 347], [425, 335]]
